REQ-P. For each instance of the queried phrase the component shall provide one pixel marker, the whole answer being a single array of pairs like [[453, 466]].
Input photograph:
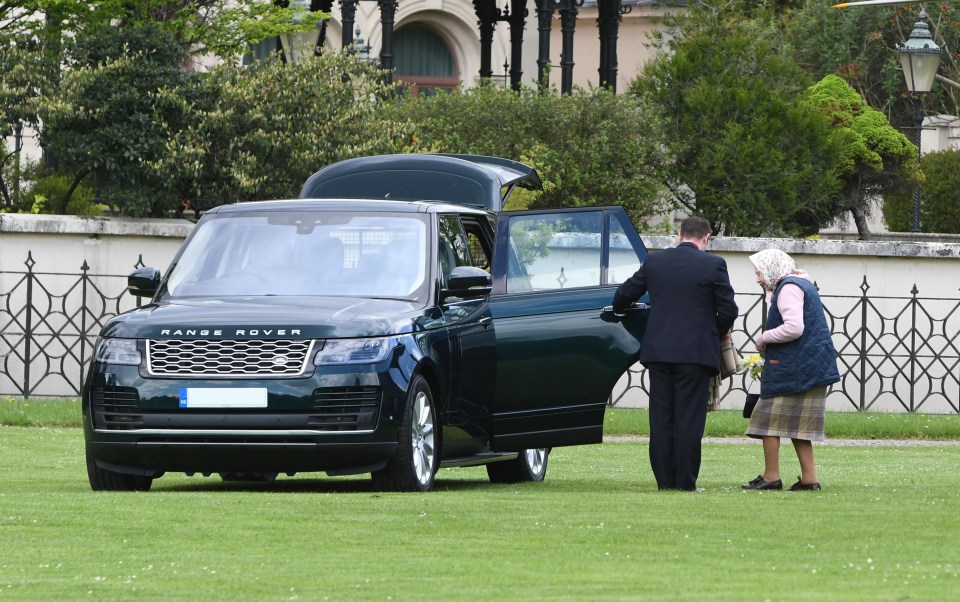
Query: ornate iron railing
[[49, 322], [894, 353]]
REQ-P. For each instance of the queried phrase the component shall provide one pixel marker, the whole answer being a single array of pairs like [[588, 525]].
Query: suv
[[383, 335]]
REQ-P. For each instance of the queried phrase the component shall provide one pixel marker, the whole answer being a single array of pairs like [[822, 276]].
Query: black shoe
[[800, 486], [759, 483]]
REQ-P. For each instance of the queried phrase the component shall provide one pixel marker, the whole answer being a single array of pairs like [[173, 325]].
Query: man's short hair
[[694, 228]]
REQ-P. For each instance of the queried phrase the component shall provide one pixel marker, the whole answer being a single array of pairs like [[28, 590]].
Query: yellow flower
[[753, 365]]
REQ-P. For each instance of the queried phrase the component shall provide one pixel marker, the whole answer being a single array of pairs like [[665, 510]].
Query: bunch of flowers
[[753, 365]]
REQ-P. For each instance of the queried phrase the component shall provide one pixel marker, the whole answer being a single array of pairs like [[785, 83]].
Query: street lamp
[[920, 59], [361, 49], [298, 45]]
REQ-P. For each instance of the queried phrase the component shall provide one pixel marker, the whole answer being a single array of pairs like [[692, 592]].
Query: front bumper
[[338, 421]]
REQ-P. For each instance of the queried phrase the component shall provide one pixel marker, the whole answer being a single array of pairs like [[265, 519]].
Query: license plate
[[193, 397]]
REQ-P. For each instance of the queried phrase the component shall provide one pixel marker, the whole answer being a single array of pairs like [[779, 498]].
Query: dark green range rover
[[415, 328]]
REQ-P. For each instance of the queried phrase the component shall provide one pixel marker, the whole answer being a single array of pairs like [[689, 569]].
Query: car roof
[[347, 205], [472, 180]]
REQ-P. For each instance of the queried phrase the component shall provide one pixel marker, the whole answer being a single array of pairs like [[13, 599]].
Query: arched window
[[423, 60]]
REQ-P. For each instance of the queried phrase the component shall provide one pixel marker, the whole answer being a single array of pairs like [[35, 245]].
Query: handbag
[[752, 399], [729, 358]]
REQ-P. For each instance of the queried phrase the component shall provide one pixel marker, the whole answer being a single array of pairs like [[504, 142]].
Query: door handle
[[485, 321], [633, 307]]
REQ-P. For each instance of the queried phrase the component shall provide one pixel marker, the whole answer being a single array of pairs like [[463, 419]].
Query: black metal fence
[[49, 322], [895, 353]]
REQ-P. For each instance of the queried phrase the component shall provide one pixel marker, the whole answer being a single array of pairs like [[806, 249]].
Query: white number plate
[[223, 398]]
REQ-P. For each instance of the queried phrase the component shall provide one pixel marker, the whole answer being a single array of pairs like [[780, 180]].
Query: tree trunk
[[62, 209], [859, 216]]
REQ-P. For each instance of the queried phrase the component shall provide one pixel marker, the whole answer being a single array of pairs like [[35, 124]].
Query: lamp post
[[298, 45], [360, 48], [920, 59]]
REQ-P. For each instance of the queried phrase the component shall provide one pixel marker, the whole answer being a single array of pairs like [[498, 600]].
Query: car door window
[[453, 249], [555, 251], [624, 258]]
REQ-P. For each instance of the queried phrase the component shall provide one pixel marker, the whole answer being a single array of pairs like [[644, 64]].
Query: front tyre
[[529, 467], [108, 480], [415, 464]]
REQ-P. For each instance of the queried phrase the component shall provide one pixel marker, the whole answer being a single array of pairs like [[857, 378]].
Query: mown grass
[[618, 421], [884, 528]]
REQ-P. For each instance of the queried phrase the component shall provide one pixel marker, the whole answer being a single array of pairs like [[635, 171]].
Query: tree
[[259, 132], [220, 27], [876, 159], [859, 45], [117, 100], [20, 90], [939, 210], [224, 28], [749, 152], [590, 147]]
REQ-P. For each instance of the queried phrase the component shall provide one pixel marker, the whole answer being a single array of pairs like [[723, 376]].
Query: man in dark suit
[[691, 307]]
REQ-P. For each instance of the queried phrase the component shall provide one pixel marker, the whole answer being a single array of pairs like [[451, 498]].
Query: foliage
[[590, 147], [750, 154], [221, 27], [24, 81], [46, 187], [44, 19], [113, 110], [259, 132], [224, 28], [859, 44], [876, 160], [939, 210]]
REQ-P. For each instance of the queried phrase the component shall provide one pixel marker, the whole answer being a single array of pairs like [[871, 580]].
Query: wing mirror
[[467, 281], [143, 282]]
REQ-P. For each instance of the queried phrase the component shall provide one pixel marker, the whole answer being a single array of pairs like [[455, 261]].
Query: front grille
[[115, 408], [204, 358], [345, 408]]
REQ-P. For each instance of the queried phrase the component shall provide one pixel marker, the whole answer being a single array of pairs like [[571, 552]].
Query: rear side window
[[555, 251]]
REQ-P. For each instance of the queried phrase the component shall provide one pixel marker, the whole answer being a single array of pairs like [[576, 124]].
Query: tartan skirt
[[798, 416]]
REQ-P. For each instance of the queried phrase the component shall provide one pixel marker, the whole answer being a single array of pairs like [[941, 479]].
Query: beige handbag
[[729, 358]]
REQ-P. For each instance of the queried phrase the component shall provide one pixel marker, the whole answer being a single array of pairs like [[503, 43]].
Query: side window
[[623, 257], [453, 249], [479, 245], [555, 251]]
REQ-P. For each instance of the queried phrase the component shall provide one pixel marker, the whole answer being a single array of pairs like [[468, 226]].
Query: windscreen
[[301, 253]]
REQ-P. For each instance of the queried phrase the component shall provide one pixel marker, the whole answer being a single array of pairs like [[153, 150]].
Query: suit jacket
[[691, 305]]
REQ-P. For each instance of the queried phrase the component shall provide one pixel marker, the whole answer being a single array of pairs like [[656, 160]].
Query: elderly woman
[[800, 362]]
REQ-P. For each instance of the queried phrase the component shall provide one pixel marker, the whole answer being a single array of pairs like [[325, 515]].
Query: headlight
[[353, 351], [118, 351]]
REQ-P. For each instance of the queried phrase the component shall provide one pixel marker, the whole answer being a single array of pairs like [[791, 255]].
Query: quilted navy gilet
[[807, 362]]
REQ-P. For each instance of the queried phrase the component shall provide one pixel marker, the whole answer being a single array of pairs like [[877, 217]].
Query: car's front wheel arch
[[414, 465]]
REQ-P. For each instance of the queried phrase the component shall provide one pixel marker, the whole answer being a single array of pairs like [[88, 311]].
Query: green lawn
[[884, 528]]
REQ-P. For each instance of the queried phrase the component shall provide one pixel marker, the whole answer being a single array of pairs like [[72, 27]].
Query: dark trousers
[[678, 414]]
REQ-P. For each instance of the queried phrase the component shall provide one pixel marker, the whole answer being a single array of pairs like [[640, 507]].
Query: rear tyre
[[529, 467], [108, 480], [415, 463]]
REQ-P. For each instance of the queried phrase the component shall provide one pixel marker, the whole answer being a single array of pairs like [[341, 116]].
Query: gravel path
[[834, 442]]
